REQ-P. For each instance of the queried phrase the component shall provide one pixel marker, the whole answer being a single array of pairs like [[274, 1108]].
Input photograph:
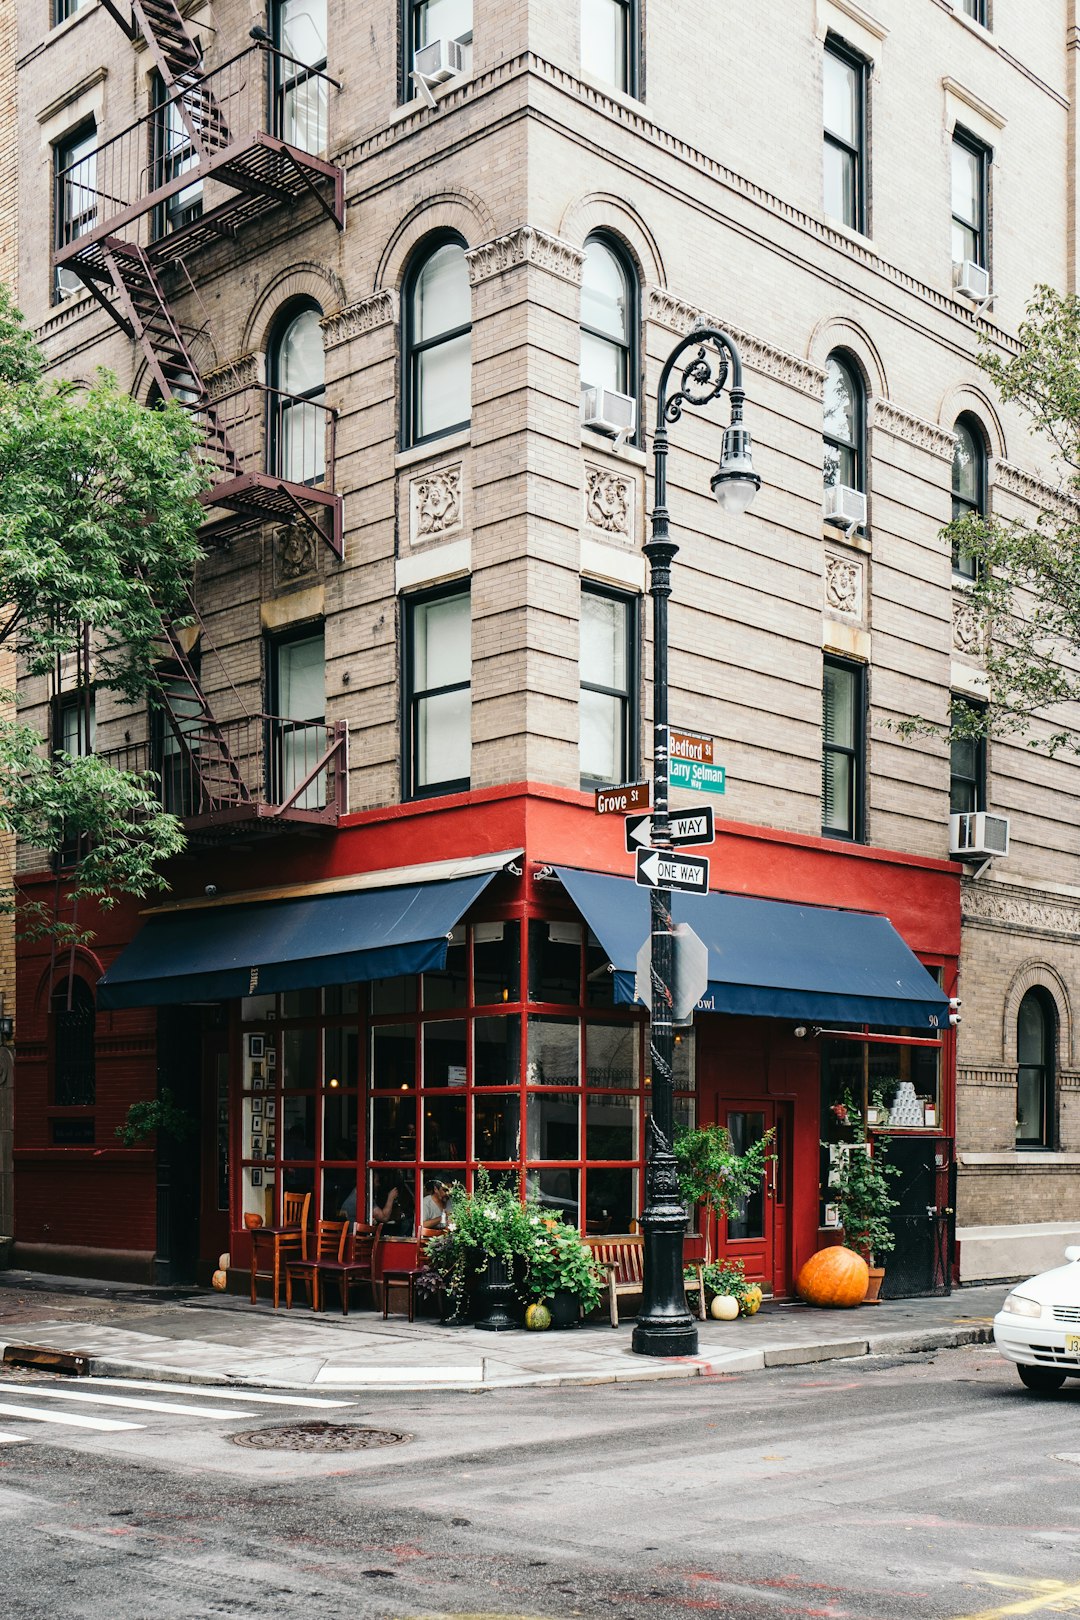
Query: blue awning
[[771, 958], [214, 954]]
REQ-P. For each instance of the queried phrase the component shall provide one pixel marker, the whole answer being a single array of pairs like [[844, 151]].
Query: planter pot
[[877, 1274], [496, 1297], [565, 1309]]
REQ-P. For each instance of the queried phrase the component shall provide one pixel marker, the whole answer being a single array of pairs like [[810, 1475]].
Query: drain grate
[[318, 1437]]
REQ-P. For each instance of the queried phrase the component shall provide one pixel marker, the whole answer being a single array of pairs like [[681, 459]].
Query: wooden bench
[[621, 1258]]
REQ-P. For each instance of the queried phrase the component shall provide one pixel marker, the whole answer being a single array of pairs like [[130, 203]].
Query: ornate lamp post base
[[664, 1325]]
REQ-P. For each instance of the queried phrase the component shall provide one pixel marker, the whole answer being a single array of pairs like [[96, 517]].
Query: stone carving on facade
[[435, 503], [967, 630], [378, 309], [1036, 491], [997, 905], [844, 578], [243, 372], [526, 245], [667, 310], [901, 424], [609, 502], [295, 551]]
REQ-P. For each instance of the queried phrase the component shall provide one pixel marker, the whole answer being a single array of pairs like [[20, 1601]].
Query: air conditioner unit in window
[[972, 281], [68, 284], [608, 411], [975, 836], [441, 60], [844, 506]]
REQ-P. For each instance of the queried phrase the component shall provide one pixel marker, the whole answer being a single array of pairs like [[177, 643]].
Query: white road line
[[72, 1420], [131, 1402], [204, 1391], [11, 1439]]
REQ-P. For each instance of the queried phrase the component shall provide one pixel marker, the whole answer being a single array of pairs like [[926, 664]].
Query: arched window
[[437, 342], [296, 366], [1036, 1030], [609, 300], [74, 1076], [968, 486], [845, 423]]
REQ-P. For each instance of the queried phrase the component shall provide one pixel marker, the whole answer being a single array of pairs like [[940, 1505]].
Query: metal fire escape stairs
[[200, 738], [123, 275]]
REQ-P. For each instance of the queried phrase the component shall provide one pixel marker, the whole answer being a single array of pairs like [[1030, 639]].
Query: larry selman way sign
[[667, 869]]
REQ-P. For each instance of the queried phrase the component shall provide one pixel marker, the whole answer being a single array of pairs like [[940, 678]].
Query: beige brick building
[[9, 223], [385, 296]]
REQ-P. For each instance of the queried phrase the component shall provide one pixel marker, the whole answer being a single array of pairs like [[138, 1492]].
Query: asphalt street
[[928, 1486]]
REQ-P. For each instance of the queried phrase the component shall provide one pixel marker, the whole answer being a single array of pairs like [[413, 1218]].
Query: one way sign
[[687, 827], [665, 869]]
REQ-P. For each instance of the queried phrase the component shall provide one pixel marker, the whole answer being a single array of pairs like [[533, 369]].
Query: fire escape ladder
[[179, 60], [149, 320], [202, 741]]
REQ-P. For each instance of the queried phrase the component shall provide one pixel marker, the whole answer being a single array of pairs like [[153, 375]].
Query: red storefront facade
[[514, 1054]]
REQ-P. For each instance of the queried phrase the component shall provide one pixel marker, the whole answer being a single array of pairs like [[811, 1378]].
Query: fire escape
[[219, 150]]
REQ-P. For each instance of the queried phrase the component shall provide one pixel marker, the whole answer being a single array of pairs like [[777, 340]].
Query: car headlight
[[1020, 1306]]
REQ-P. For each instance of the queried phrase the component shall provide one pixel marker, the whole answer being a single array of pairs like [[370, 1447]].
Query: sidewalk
[[182, 1336]]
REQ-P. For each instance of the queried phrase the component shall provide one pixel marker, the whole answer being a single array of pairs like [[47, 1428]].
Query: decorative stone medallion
[[844, 585], [435, 506], [295, 551], [609, 502]]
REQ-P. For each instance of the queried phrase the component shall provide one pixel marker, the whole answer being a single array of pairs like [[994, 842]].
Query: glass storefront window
[[612, 1055], [611, 1200], [445, 1053], [557, 1190], [444, 1128], [392, 1201], [393, 1057], [599, 977], [341, 1057], [554, 961], [393, 1128], [553, 1130], [554, 1052], [300, 1059], [448, 986], [339, 1125], [390, 996], [258, 1009], [611, 1127], [497, 1051], [902, 1085], [341, 998], [496, 963], [682, 1060], [300, 1003], [497, 1127], [297, 1128]]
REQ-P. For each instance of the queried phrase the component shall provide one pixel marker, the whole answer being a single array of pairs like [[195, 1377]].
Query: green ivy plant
[[160, 1114], [860, 1189], [713, 1174], [560, 1261]]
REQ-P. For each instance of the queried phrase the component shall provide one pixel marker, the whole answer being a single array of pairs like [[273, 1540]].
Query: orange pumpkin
[[835, 1277]]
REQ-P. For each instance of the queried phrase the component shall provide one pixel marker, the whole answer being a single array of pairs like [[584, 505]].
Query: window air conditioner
[[68, 284], [972, 281], [845, 506], [975, 836], [608, 411], [440, 60]]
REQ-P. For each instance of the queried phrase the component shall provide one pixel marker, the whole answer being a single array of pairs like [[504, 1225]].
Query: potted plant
[[860, 1183], [562, 1273], [713, 1174], [488, 1245], [161, 1114]]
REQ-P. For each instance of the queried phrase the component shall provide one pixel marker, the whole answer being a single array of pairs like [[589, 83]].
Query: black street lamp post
[[664, 1325]]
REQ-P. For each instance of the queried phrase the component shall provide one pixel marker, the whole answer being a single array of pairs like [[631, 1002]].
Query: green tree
[[99, 518], [1027, 591], [712, 1173]]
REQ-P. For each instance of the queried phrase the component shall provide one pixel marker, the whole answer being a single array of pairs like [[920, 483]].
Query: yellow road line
[[1052, 1594]]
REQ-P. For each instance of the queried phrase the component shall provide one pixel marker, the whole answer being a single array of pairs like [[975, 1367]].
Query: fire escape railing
[[283, 448]]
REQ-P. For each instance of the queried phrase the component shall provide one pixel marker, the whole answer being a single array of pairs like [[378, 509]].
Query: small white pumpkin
[[725, 1308]]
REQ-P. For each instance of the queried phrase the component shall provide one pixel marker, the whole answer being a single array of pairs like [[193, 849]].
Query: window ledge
[[836, 534], [849, 233], [433, 449], [69, 23], [976, 28], [599, 444], [1021, 1156], [623, 97]]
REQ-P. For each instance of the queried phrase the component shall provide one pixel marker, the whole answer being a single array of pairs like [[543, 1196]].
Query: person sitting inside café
[[433, 1211]]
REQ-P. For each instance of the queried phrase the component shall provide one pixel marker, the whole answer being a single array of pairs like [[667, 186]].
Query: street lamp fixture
[[707, 361]]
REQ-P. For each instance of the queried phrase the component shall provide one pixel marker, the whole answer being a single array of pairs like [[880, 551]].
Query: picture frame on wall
[[271, 1108], [271, 1057], [258, 1083], [256, 1178], [256, 1046], [256, 1147]]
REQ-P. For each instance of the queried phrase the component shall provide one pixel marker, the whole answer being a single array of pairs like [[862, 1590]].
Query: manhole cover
[[318, 1437]]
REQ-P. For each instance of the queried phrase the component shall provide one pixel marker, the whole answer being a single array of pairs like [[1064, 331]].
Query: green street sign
[[697, 776]]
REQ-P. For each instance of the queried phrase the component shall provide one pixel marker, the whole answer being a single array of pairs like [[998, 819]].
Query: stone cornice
[[365, 315], [901, 424], [526, 245], [242, 372], [665, 309], [1001, 906], [1036, 491]]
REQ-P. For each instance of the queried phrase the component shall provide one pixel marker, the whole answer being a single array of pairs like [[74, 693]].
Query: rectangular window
[[300, 85], [976, 10], [75, 203], [608, 701], [609, 38], [437, 742], [843, 749], [63, 9], [845, 135], [176, 719], [174, 155], [297, 671], [74, 728], [967, 763], [425, 21], [970, 180]]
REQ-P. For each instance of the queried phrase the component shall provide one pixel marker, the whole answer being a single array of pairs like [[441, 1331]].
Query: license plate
[[1072, 1344]]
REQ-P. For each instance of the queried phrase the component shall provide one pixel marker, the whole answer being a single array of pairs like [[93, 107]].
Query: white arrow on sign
[[664, 869], [686, 827]]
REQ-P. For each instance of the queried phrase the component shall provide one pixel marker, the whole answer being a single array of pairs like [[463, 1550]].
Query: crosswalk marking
[[206, 1392], [132, 1402], [11, 1439], [73, 1420]]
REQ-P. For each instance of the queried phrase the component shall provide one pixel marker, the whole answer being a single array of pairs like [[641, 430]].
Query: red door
[[759, 1233], [214, 1198]]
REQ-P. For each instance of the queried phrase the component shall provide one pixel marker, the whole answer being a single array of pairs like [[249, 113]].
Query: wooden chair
[[272, 1246], [356, 1265], [329, 1246]]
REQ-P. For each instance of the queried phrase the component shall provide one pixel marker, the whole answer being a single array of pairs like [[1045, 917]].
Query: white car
[[1038, 1326]]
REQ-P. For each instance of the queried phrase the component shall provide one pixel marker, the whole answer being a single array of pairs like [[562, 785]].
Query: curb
[[735, 1364]]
